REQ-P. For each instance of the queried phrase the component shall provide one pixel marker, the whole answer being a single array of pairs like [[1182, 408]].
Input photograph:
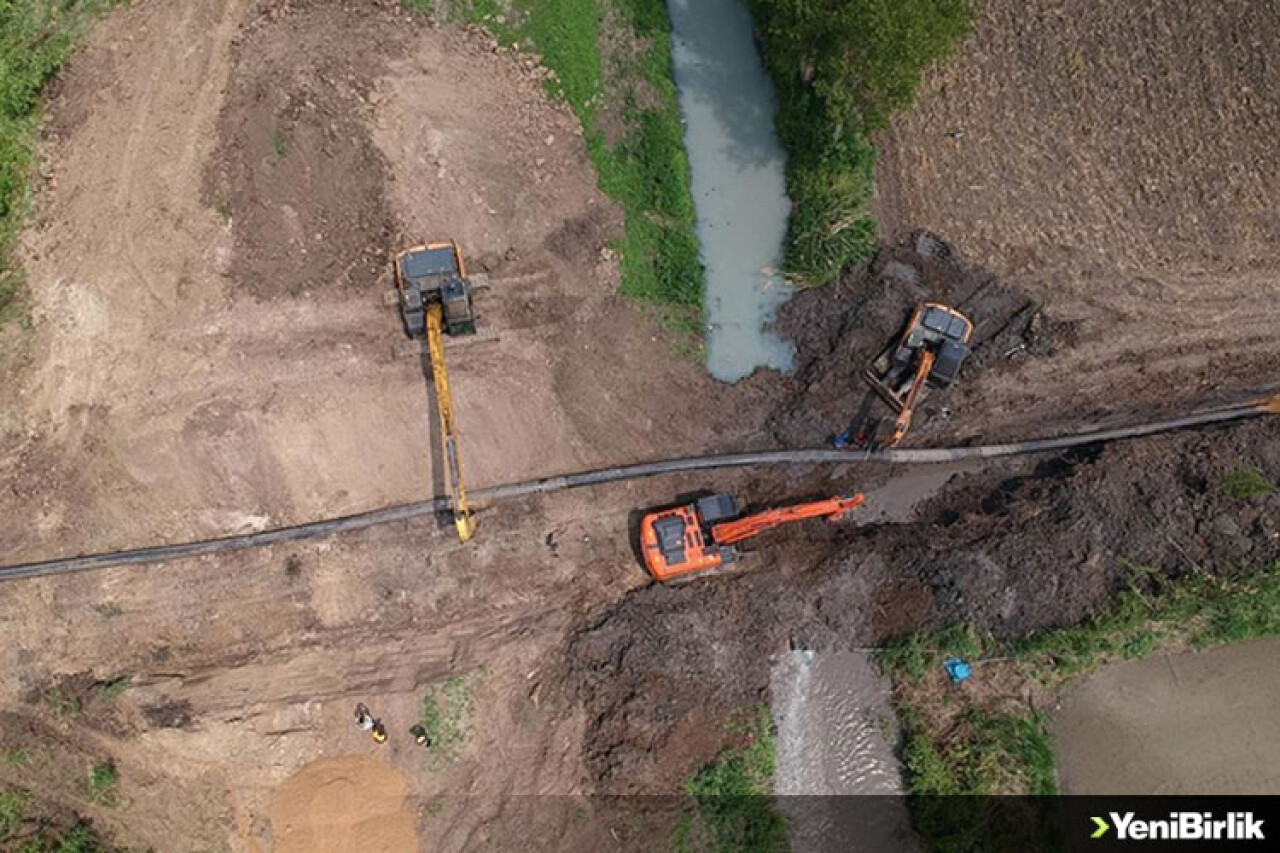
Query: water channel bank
[[737, 180]]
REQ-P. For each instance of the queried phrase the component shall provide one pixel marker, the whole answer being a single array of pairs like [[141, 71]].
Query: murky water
[[738, 186], [836, 732], [1193, 723]]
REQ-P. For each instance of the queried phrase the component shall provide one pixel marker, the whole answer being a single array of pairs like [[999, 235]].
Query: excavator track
[[916, 456]]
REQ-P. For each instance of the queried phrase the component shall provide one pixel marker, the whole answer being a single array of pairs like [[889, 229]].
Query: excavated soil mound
[[838, 330], [296, 171], [1007, 555]]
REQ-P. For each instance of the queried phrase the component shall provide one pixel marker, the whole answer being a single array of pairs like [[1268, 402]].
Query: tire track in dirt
[[196, 114]]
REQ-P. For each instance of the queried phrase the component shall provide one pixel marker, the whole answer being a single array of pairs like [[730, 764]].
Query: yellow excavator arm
[[462, 517]]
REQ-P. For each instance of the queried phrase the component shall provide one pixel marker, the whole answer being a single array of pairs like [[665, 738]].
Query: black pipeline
[[387, 515]]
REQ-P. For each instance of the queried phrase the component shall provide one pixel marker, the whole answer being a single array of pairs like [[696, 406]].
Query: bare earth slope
[[211, 351]]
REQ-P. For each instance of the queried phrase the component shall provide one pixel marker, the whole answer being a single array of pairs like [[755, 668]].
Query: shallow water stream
[[737, 179], [836, 731]]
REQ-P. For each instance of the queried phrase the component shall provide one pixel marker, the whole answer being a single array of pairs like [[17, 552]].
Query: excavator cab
[[932, 350], [434, 273], [699, 537], [678, 541]]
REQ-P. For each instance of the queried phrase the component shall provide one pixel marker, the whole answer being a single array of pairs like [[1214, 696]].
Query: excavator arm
[[462, 516], [729, 532], [903, 423]]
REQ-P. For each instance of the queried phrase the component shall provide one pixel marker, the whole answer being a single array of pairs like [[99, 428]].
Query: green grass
[[1245, 482], [62, 703], [80, 838], [734, 797], [36, 36], [998, 751], [114, 688], [419, 6], [916, 655], [645, 169], [490, 14], [101, 783], [17, 757], [280, 144], [13, 808], [841, 70], [1195, 610], [448, 714]]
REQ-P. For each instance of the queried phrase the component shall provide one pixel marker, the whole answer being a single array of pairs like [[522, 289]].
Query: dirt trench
[[660, 671]]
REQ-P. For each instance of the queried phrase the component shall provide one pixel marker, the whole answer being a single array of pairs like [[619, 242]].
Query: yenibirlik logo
[[1182, 826]]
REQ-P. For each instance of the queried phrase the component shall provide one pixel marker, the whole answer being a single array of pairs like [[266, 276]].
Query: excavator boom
[[729, 532], [462, 517], [903, 423]]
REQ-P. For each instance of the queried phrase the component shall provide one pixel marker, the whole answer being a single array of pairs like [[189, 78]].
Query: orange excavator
[[930, 351], [699, 537]]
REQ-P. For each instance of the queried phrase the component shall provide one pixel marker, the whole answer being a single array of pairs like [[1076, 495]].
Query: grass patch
[[79, 838], [17, 757], [114, 688], [985, 741], [13, 808], [422, 7], [490, 14], [919, 654], [841, 70], [734, 797], [1195, 610], [448, 715], [641, 163], [62, 702], [1245, 482], [999, 751], [36, 36], [101, 783]]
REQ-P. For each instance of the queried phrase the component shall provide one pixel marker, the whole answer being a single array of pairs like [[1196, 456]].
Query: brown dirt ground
[[224, 184], [1008, 553], [202, 362], [1115, 163]]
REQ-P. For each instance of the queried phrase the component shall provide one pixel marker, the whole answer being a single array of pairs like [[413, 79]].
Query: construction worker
[[366, 722], [420, 736]]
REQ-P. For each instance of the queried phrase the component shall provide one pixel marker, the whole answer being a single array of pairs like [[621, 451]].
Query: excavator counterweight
[[699, 537]]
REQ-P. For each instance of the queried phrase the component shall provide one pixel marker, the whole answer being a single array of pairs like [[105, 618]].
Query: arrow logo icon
[[1103, 826]]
